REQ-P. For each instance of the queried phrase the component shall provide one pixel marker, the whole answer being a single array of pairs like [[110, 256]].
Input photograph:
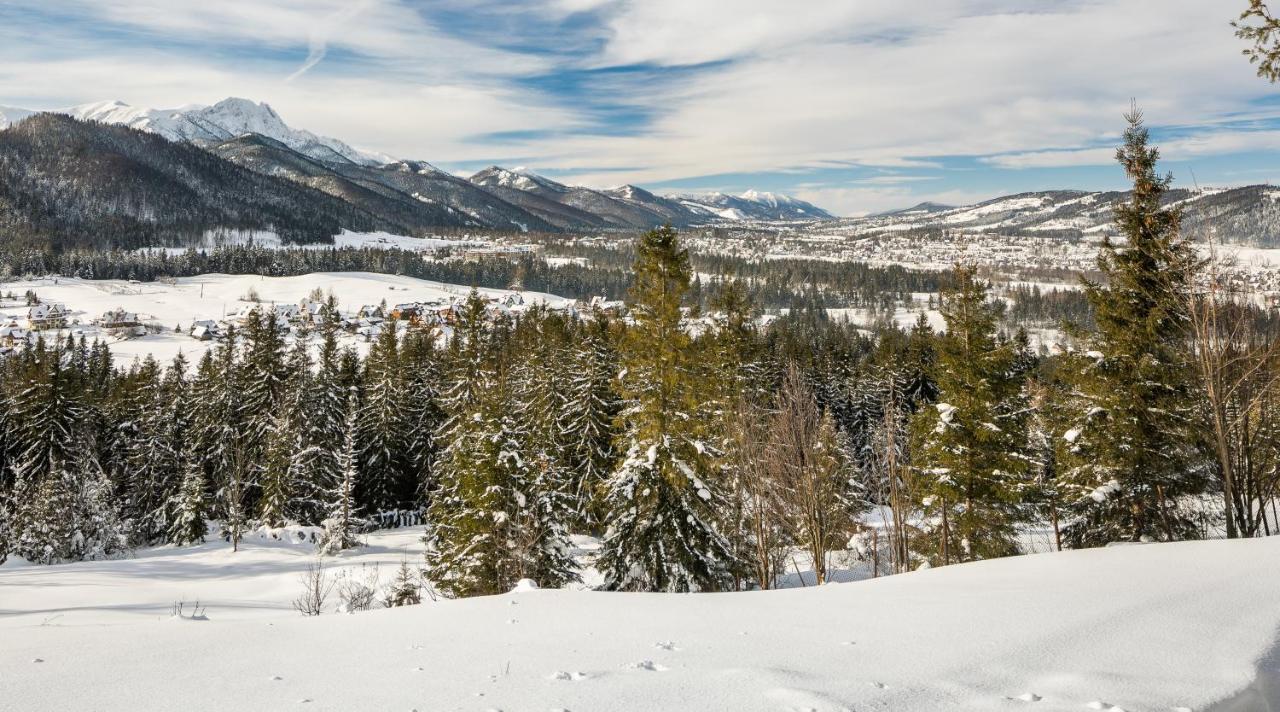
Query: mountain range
[[415, 196], [134, 177], [1247, 215]]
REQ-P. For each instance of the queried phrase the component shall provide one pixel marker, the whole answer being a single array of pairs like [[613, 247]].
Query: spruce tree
[[662, 500], [383, 432], [1129, 455], [970, 464], [188, 523], [342, 525], [587, 419], [495, 517]]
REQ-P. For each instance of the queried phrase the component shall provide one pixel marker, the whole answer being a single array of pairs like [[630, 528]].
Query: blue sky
[[857, 105]]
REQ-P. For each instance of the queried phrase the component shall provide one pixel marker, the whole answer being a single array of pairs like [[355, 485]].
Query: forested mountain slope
[[67, 183]]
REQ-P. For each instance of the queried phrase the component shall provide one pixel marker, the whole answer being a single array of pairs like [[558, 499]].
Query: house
[[287, 313], [119, 319], [49, 315], [370, 311], [410, 311], [12, 335], [205, 330]]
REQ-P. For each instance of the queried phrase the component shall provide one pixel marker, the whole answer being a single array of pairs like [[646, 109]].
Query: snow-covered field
[[1159, 627], [170, 305]]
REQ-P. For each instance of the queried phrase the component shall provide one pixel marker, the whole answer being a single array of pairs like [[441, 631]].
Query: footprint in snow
[[879, 685], [276, 677], [649, 665], [1096, 705], [848, 643], [567, 676], [1026, 697], [304, 700], [512, 621], [666, 645], [37, 660]]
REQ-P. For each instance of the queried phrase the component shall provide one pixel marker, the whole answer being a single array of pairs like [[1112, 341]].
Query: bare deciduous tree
[[805, 460], [316, 587], [759, 533], [1239, 373]]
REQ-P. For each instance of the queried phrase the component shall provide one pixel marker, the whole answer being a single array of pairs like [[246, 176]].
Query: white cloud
[[1209, 143], [833, 83]]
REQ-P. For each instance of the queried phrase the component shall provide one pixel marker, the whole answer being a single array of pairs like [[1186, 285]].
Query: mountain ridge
[[232, 117]]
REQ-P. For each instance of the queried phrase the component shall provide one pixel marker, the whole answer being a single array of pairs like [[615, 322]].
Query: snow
[[1147, 627], [227, 119], [215, 296]]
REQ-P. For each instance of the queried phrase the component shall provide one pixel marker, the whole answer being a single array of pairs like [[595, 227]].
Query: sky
[[856, 105]]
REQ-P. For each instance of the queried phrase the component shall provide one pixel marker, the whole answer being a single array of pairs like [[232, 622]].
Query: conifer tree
[[587, 420], [1129, 454], [188, 524], [662, 500], [495, 516], [422, 414], [383, 432], [261, 387], [971, 471], [288, 454], [342, 525], [324, 430]]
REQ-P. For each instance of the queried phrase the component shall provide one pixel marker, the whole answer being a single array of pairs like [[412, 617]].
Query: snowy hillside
[[752, 205], [167, 306], [10, 115], [1246, 215], [1162, 627]]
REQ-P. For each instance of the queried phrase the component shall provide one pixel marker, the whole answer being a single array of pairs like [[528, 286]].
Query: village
[[191, 315]]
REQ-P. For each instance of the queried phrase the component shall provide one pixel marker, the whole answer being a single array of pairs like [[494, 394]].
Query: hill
[[1141, 627]]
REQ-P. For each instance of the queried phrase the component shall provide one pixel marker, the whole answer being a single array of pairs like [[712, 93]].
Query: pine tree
[[587, 419], [422, 414], [317, 462], [970, 463], [1130, 455], [190, 508], [662, 503], [288, 452], [153, 456], [342, 525], [383, 432], [495, 517], [261, 381]]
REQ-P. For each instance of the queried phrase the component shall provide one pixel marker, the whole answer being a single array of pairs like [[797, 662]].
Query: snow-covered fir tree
[[494, 518], [342, 525], [587, 420], [383, 429], [662, 502], [190, 507]]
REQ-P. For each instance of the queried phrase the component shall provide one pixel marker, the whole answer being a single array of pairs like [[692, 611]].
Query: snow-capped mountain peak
[[519, 178], [772, 200], [229, 118]]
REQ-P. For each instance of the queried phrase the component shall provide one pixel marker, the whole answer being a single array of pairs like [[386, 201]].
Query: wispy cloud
[[896, 102]]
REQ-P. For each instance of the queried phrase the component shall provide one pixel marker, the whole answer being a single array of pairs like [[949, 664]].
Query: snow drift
[[1147, 627]]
